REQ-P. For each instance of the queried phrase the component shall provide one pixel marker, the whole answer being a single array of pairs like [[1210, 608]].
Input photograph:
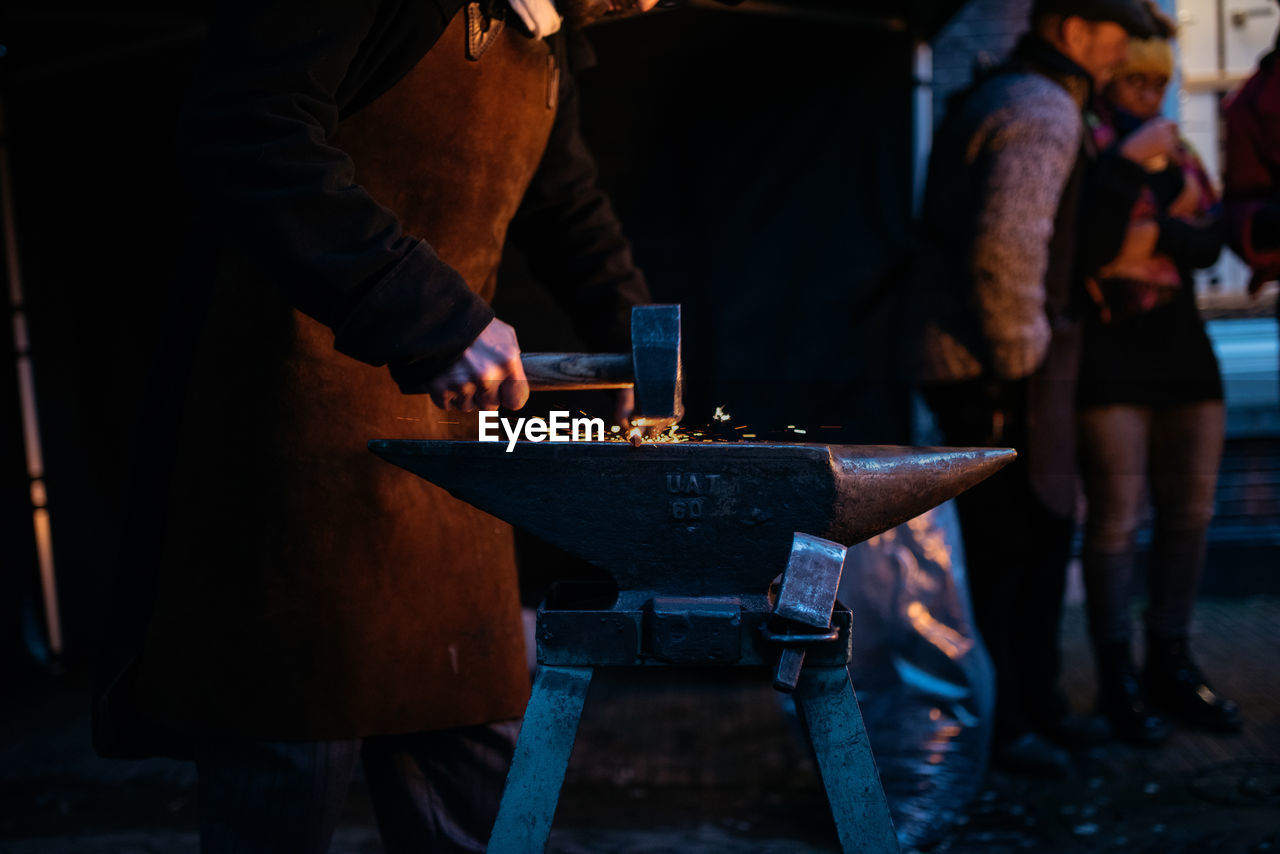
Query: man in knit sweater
[[1000, 347]]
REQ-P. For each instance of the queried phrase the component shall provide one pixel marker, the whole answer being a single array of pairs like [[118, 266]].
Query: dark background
[[761, 162]]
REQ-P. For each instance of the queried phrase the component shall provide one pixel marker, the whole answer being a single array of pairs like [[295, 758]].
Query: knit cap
[[1148, 56]]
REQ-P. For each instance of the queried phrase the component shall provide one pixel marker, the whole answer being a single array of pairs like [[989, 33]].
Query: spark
[[637, 436], [721, 414]]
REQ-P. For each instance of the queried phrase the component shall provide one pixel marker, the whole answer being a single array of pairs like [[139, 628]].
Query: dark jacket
[[1251, 170], [258, 133]]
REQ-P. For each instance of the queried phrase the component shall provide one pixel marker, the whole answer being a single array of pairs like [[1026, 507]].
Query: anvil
[[695, 518], [693, 533]]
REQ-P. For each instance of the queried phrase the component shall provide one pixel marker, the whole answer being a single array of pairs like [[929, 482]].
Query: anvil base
[[684, 632], [698, 631]]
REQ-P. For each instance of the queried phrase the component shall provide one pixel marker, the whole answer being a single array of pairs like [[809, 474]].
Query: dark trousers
[[431, 791], [1016, 551]]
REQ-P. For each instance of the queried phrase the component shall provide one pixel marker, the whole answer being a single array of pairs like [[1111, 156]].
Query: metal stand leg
[[830, 711], [542, 755]]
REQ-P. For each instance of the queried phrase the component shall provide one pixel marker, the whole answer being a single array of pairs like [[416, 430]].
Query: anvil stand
[[575, 635]]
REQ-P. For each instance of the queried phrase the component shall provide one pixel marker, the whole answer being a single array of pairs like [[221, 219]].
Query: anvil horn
[[695, 518], [883, 485]]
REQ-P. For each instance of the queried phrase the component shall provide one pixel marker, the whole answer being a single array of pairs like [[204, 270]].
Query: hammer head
[[655, 348]]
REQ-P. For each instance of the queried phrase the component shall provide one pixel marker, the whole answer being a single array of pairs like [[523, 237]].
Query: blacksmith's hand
[[487, 374]]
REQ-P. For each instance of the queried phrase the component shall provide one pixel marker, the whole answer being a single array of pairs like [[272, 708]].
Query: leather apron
[[309, 590]]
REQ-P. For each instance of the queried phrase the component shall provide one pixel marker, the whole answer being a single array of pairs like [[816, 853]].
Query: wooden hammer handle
[[578, 371]]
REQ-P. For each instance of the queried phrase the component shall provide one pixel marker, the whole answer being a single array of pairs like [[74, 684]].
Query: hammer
[[653, 368]]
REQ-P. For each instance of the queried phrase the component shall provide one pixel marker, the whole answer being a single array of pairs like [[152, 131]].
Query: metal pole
[[27, 401], [542, 756], [922, 121]]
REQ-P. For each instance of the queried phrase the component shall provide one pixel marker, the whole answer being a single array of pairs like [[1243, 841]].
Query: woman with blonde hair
[[1151, 416]]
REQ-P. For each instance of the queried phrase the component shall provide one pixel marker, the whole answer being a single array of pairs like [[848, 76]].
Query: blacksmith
[[359, 167]]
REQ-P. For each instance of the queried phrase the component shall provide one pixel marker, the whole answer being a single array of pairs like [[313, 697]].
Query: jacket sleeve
[[255, 140], [1196, 243], [572, 238], [1248, 186], [1110, 191], [1029, 157]]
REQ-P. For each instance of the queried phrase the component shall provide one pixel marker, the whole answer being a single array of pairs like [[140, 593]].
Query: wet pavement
[[669, 762]]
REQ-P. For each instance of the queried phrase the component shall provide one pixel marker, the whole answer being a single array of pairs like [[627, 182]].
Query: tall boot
[[1179, 689], [1122, 700]]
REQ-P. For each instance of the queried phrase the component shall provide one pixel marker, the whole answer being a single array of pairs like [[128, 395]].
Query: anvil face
[[695, 518]]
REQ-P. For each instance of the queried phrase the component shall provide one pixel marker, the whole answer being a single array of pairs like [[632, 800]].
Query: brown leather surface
[[310, 590]]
